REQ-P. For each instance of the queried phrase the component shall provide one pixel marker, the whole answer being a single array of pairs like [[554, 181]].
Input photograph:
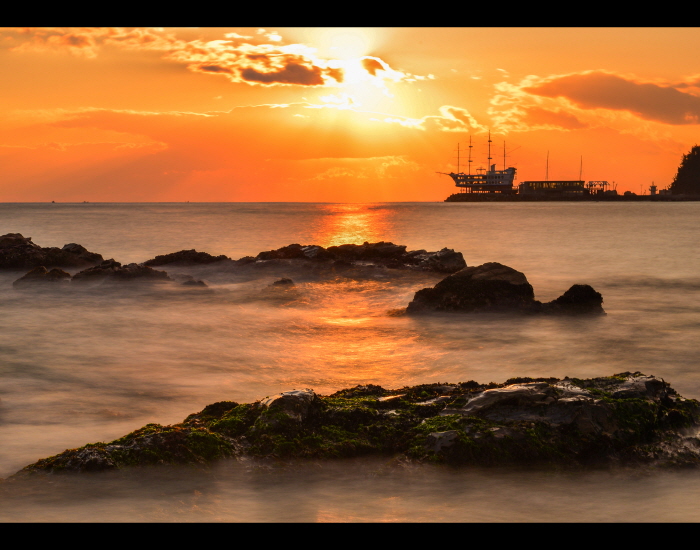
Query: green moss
[[209, 446], [148, 429], [235, 421]]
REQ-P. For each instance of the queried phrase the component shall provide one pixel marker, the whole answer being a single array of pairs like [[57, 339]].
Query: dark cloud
[[76, 40], [336, 74], [291, 73], [371, 65], [214, 69], [536, 117], [608, 91]]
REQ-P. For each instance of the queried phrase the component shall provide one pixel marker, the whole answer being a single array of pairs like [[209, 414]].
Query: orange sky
[[339, 115]]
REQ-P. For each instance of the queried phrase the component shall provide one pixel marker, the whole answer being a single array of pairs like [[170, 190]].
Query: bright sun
[[346, 43]]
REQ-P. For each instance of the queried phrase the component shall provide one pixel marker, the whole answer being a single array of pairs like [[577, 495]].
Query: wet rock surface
[[19, 252], [494, 287], [628, 419]]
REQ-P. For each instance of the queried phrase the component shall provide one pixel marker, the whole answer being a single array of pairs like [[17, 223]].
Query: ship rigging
[[484, 181]]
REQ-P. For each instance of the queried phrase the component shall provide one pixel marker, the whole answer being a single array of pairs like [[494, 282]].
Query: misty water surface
[[80, 367]]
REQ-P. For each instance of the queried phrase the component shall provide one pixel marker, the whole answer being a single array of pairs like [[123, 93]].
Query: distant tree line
[[687, 180]]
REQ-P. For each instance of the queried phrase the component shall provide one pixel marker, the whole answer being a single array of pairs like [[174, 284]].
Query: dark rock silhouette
[[185, 257], [628, 419], [284, 282], [381, 254], [494, 287], [111, 270], [579, 299], [19, 252], [42, 276]]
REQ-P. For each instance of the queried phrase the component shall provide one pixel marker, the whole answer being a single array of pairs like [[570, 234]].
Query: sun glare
[[346, 43]]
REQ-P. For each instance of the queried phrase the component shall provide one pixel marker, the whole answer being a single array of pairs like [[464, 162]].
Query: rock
[[296, 404], [284, 282], [153, 444], [42, 276], [628, 419], [437, 441], [187, 280], [18, 252], [579, 299], [443, 261], [382, 254], [488, 287], [111, 270], [494, 287], [82, 255], [16, 239], [367, 251], [186, 257], [289, 252]]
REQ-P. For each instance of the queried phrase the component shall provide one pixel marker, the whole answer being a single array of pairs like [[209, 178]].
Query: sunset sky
[[336, 114]]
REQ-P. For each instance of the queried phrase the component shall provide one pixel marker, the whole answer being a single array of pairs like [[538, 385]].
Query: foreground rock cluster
[[628, 419]]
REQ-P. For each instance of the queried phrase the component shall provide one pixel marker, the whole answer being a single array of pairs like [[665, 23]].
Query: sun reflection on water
[[353, 224]]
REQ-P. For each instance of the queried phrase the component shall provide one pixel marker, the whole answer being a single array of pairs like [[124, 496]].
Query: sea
[[82, 367]]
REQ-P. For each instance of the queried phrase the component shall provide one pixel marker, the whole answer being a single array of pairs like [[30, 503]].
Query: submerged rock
[[42, 276], [19, 252], [111, 270], [494, 287], [627, 419]]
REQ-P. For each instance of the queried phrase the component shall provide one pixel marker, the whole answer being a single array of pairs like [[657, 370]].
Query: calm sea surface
[[80, 367]]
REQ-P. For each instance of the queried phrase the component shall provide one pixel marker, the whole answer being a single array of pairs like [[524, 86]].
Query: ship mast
[[458, 158], [489, 164], [469, 165], [580, 169], [504, 155]]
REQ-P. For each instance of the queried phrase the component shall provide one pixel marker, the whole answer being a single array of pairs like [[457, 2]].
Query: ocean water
[[80, 367]]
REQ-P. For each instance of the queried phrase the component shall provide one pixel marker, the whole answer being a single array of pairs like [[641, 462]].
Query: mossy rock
[[627, 418]]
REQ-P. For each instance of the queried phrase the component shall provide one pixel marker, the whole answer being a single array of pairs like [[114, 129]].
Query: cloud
[[536, 117], [263, 59], [450, 119], [388, 167], [292, 72], [372, 65], [601, 90]]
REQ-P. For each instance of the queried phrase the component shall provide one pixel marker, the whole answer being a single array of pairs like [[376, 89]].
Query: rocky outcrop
[[19, 252], [111, 270], [494, 287], [40, 276], [186, 257], [578, 299], [628, 419], [380, 254]]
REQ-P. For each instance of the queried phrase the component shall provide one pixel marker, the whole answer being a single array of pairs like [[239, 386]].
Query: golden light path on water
[[357, 340], [352, 224]]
